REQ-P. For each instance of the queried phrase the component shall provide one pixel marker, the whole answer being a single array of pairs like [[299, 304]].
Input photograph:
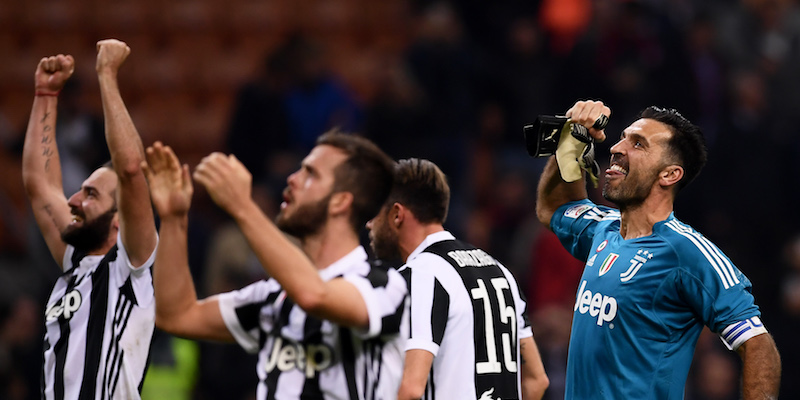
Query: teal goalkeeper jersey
[[642, 303]]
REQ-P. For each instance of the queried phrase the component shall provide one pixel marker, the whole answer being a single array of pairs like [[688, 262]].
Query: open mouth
[[286, 199], [616, 168]]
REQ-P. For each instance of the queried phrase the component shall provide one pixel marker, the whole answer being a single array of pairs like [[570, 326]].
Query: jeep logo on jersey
[[67, 306], [597, 305], [309, 359], [471, 258], [607, 263]]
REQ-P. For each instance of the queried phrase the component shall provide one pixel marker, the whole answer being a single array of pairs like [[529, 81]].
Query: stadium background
[[449, 81]]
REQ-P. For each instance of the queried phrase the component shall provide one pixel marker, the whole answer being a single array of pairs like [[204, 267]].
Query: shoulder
[[686, 242], [696, 253]]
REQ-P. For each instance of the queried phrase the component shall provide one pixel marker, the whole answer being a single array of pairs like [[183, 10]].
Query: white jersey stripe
[[726, 283], [723, 258], [724, 264], [726, 267], [687, 231]]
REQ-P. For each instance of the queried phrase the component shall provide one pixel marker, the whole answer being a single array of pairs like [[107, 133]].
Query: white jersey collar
[[344, 264], [431, 239]]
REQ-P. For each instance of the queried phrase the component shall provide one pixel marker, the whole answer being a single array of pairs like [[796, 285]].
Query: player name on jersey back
[[471, 258]]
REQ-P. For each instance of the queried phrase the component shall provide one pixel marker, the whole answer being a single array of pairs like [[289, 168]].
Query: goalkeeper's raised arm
[[553, 190]]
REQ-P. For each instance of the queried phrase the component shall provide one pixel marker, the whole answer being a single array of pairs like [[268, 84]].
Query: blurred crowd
[[456, 85]]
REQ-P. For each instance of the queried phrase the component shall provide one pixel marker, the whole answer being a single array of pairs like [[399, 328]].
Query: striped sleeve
[[429, 310], [241, 311], [384, 293]]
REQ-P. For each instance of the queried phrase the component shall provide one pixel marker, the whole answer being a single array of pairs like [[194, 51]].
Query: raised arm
[[137, 226], [229, 184], [41, 166], [553, 191], [761, 368], [177, 309]]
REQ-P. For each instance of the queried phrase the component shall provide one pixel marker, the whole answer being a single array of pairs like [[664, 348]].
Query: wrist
[[46, 93], [244, 211], [179, 218], [107, 73]]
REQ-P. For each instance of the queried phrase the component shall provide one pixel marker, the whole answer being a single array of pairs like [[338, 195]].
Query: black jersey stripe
[[431, 390], [377, 363], [439, 312], [312, 334], [348, 361], [119, 353], [283, 320], [61, 347], [377, 277], [95, 327]]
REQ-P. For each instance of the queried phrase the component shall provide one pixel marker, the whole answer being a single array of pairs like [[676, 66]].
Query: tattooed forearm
[[44, 117], [47, 140]]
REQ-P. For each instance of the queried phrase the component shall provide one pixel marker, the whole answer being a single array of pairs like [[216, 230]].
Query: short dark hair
[[687, 144], [367, 173], [421, 187]]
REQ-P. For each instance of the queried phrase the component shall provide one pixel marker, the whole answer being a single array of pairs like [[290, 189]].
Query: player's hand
[[170, 184], [52, 73], [111, 53], [226, 179], [587, 113]]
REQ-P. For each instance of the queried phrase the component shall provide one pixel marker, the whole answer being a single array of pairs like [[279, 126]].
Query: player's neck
[[334, 241], [107, 245], [638, 221], [413, 236]]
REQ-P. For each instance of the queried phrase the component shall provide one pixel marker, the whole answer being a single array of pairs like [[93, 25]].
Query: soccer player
[[470, 337], [327, 324], [100, 315], [650, 282]]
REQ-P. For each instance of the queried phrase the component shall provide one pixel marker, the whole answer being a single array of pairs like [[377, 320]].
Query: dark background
[[450, 81]]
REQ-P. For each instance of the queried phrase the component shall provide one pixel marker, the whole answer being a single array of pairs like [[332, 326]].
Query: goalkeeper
[[651, 282]]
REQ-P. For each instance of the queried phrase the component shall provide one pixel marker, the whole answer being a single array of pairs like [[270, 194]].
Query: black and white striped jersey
[[468, 311], [99, 322], [300, 356]]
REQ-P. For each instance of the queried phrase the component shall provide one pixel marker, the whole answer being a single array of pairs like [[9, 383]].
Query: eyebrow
[[636, 136], [90, 189], [310, 168]]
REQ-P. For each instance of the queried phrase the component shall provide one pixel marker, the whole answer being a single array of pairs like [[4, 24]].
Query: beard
[[308, 219], [631, 192], [384, 244], [92, 234]]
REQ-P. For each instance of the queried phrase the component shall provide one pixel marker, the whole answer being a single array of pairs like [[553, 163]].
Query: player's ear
[[397, 214], [670, 175], [340, 202]]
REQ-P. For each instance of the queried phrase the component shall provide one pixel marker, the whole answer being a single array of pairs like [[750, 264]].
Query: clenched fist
[[52, 73], [111, 53]]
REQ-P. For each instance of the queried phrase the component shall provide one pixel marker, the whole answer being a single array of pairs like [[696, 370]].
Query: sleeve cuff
[[432, 347], [227, 309], [525, 332]]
